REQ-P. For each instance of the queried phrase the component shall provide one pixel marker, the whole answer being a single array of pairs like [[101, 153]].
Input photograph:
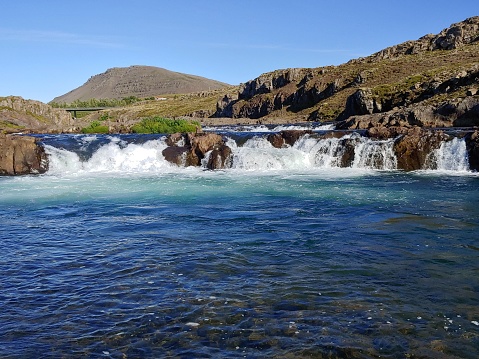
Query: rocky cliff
[[433, 76], [18, 114]]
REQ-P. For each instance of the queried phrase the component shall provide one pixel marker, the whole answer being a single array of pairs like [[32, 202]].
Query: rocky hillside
[[432, 81], [18, 114], [138, 81]]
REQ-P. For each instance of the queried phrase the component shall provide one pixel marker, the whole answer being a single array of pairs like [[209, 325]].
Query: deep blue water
[[239, 263]]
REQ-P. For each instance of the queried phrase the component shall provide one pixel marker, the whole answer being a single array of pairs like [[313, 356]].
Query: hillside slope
[[435, 70], [138, 81]]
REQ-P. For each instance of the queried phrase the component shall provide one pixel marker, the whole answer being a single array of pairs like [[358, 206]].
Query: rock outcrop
[[18, 114], [190, 149], [21, 155], [459, 113], [455, 36]]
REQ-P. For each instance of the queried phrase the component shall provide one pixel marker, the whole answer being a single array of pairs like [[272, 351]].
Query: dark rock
[[221, 157], [21, 155], [286, 138], [224, 107], [413, 147], [472, 144], [457, 113], [348, 147], [190, 148], [180, 156], [359, 103], [467, 113]]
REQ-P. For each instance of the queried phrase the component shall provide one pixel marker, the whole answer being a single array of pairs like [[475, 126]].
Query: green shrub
[[165, 125], [95, 127]]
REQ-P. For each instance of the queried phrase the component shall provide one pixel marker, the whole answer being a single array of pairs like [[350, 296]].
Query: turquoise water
[[110, 257]]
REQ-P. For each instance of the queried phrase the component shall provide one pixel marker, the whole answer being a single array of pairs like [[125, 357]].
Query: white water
[[451, 156], [266, 129], [256, 154]]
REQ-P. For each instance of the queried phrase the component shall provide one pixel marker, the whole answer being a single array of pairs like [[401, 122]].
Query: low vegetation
[[95, 127], [165, 125], [100, 102]]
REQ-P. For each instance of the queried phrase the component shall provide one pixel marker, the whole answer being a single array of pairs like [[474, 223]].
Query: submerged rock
[[21, 155]]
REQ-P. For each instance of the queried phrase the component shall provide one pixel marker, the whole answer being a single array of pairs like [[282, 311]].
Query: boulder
[[21, 155], [180, 156], [413, 147], [221, 157], [189, 149], [201, 143]]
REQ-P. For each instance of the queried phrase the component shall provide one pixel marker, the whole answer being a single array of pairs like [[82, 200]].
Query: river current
[[115, 253]]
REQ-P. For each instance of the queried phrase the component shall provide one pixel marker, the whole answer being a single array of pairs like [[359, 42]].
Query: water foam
[[450, 156], [309, 153], [113, 157]]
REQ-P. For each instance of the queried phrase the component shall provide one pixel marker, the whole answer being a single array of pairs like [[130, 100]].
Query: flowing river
[[116, 253]]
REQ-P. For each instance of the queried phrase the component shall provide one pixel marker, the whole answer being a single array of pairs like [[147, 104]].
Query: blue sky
[[50, 47]]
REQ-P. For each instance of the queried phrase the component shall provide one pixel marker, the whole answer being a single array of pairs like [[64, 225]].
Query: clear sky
[[49, 47]]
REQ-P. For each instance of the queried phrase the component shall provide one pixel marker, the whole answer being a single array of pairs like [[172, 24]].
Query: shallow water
[[284, 262]]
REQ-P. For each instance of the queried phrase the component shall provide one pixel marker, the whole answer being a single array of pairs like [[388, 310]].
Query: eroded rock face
[[459, 113], [21, 155], [414, 146], [189, 149]]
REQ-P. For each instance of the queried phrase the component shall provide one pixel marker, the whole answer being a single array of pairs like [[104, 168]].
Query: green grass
[[164, 125], [95, 127]]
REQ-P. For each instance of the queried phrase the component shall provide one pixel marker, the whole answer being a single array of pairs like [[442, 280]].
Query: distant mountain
[[138, 81]]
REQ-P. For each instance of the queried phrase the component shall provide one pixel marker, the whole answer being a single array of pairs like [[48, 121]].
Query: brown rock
[[190, 148], [221, 157], [287, 137], [21, 155], [203, 142], [413, 147], [180, 156]]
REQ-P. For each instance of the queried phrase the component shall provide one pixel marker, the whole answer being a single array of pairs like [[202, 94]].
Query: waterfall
[[375, 155], [115, 154], [450, 156]]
